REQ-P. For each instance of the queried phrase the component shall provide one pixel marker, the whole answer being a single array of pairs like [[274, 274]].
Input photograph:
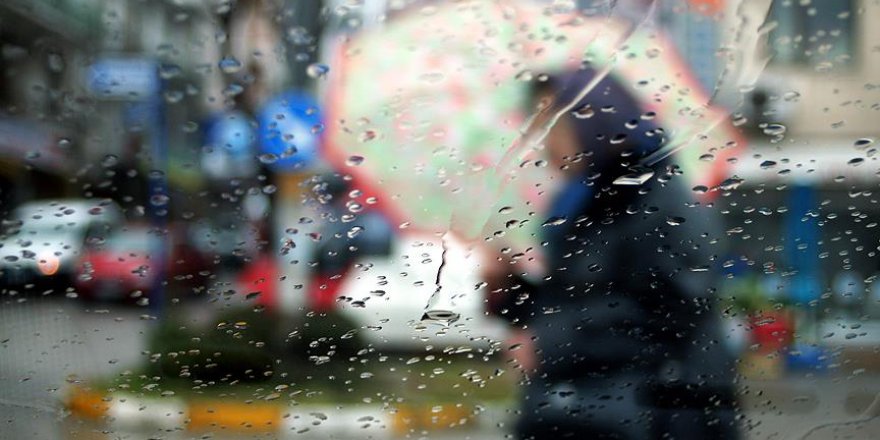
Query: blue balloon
[[289, 131]]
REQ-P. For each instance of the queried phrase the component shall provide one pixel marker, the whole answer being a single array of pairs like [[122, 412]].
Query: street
[[50, 343]]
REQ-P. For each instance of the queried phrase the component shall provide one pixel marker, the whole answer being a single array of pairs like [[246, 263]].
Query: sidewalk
[[130, 413]]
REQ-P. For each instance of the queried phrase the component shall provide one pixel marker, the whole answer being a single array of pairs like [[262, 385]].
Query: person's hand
[[520, 350]]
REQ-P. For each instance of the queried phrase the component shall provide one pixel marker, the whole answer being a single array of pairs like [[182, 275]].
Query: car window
[[522, 219]]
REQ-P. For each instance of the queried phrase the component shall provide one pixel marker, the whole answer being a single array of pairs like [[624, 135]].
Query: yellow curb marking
[[233, 416], [87, 403], [406, 419]]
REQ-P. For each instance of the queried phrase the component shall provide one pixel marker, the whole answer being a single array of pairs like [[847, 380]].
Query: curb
[[127, 411]]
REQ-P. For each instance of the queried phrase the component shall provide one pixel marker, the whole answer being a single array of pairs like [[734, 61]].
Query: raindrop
[[674, 221], [173, 96], [168, 71], [444, 317], [64, 143], [354, 161], [791, 95], [367, 136], [525, 75], [109, 160], [700, 189], [584, 112], [618, 139], [730, 183], [354, 231], [863, 142], [554, 221], [317, 70], [637, 177], [856, 161], [229, 65], [233, 90], [505, 210], [774, 129], [159, 199], [267, 158], [767, 164]]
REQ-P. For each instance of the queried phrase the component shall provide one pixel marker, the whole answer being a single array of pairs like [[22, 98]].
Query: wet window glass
[[522, 219]]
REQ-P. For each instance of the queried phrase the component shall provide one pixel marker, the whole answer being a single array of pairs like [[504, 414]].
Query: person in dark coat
[[621, 338]]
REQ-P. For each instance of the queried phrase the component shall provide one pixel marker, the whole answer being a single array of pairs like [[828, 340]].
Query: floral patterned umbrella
[[427, 113]]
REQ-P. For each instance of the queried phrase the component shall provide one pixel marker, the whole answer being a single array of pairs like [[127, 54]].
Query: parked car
[[126, 263], [384, 286], [42, 240]]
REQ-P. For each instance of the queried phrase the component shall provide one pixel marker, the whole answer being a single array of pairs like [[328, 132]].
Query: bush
[[243, 345], [236, 348]]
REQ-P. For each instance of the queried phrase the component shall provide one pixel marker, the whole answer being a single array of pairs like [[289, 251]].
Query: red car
[[124, 264]]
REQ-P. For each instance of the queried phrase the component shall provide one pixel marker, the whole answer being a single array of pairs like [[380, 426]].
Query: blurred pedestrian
[[620, 338]]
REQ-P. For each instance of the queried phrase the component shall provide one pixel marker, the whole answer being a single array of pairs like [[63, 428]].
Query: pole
[[158, 200]]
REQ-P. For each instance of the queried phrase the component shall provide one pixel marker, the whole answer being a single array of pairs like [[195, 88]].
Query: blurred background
[[174, 229]]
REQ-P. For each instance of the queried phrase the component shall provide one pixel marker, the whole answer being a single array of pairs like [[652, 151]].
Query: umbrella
[[427, 113]]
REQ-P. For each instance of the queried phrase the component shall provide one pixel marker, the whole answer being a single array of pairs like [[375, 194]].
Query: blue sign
[[124, 78], [228, 146], [289, 132], [231, 132]]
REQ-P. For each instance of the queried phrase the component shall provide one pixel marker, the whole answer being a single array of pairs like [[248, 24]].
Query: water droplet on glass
[[367, 136], [554, 221], [267, 158], [317, 70], [168, 71], [618, 139], [233, 90], [159, 199], [229, 65], [173, 96], [584, 112], [856, 161], [109, 161], [731, 183], [791, 95], [674, 221], [863, 142], [767, 164], [774, 129], [636, 177], [354, 161]]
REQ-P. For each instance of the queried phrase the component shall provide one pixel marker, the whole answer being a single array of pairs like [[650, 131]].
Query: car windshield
[[132, 241], [439, 219]]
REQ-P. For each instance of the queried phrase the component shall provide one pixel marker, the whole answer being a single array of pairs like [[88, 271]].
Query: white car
[[388, 295], [43, 239]]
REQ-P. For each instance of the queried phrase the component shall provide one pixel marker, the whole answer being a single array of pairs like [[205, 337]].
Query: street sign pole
[[159, 201]]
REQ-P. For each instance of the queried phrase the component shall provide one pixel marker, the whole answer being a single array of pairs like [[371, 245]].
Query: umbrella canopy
[[428, 112]]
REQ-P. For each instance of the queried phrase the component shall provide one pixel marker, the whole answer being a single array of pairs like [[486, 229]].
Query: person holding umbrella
[[620, 338]]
